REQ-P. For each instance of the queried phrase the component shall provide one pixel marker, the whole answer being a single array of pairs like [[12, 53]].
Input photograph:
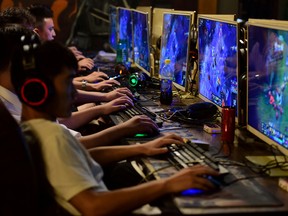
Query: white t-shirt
[[14, 106], [11, 102], [69, 167]]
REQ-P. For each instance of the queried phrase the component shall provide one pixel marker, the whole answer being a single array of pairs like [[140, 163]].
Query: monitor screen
[[147, 9], [267, 78], [175, 45], [157, 22], [141, 42], [125, 29], [218, 61], [113, 27]]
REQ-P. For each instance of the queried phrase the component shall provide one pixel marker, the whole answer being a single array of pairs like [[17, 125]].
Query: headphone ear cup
[[36, 91]]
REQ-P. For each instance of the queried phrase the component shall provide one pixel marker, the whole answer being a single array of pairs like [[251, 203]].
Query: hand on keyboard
[[116, 93], [104, 85], [140, 124], [156, 146], [117, 104]]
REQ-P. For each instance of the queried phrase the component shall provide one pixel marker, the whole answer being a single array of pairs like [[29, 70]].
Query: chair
[[17, 182], [24, 187]]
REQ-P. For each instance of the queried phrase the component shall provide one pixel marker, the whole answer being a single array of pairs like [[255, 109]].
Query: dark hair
[[40, 12], [50, 58], [9, 41], [18, 15]]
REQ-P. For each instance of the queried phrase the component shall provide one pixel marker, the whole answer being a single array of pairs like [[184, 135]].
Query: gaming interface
[[125, 29], [113, 27], [218, 59], [141, 40], [175, 44], [267, 80]]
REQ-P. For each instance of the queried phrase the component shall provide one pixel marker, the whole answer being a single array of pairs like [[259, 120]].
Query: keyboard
[[189, 154], [130, 112]]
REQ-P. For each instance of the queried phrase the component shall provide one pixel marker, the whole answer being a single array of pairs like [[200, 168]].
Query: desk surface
[[261, 185]]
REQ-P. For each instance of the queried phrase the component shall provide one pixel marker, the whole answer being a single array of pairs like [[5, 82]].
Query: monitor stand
[[266, 160]]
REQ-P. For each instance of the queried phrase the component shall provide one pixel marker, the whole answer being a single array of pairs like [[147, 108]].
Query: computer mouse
[[195, 191], [148, 135]]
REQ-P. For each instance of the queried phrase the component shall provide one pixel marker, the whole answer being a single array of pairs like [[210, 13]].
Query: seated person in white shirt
[[9, 39], [77, 179]]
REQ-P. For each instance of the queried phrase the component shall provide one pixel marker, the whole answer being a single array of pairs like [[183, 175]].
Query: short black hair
[[50, 59], [10, 41], [40, 12], [18, 15]]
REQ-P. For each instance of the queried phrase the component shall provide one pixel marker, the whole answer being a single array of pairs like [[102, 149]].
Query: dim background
[[85, 23]]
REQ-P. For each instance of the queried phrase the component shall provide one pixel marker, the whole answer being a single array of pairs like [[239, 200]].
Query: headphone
[[193, 51], [35, 89], [138, 79]]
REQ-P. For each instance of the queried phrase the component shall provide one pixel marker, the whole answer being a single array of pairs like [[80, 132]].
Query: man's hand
[[119, 92], [139, 124]]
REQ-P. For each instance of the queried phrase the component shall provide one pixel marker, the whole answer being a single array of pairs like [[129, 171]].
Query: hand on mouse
[[140, 124], [191, 177]]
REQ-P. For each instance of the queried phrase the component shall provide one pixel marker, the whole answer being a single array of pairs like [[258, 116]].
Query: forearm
[[82, 117], [88, 97], [122, 201], [136, 197], [110, 154], [105, 137]]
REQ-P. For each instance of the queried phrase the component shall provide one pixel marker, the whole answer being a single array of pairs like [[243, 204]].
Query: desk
[[239, 151]]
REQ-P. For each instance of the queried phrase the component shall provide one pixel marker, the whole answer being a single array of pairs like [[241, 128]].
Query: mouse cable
[[243, 178]]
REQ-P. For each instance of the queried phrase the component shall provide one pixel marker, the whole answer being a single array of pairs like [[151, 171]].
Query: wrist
[[84, 84]]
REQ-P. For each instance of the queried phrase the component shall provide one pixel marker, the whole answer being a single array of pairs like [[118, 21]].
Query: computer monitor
[[267, 77], [218, 51], [113, 27], [193, 15], [175, 46], [147, 9], [157, 22], [141, 42], [125, 29]]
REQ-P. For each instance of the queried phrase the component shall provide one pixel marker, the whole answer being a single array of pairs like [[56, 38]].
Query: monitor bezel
[[135, 63], [177, 85], [268, 25], [227, 17], [227, 20]]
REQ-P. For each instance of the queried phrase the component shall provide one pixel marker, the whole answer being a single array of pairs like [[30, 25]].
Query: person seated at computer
[[96, 80], [116, 100], [10, 35], [77, 180], [44, 28]]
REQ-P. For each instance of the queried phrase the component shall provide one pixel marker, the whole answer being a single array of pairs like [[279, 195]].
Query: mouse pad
[[244, 193]]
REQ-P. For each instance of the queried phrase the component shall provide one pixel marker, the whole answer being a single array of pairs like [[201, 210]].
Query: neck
[[29, 113]]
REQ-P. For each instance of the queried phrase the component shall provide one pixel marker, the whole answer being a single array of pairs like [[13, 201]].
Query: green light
[[133, 80], [140, 135]]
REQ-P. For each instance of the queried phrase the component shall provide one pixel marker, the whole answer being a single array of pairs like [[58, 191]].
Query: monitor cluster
[[250, 77]]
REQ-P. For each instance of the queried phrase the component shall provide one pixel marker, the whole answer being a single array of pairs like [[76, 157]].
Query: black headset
[[35, 89], [193, 51]]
